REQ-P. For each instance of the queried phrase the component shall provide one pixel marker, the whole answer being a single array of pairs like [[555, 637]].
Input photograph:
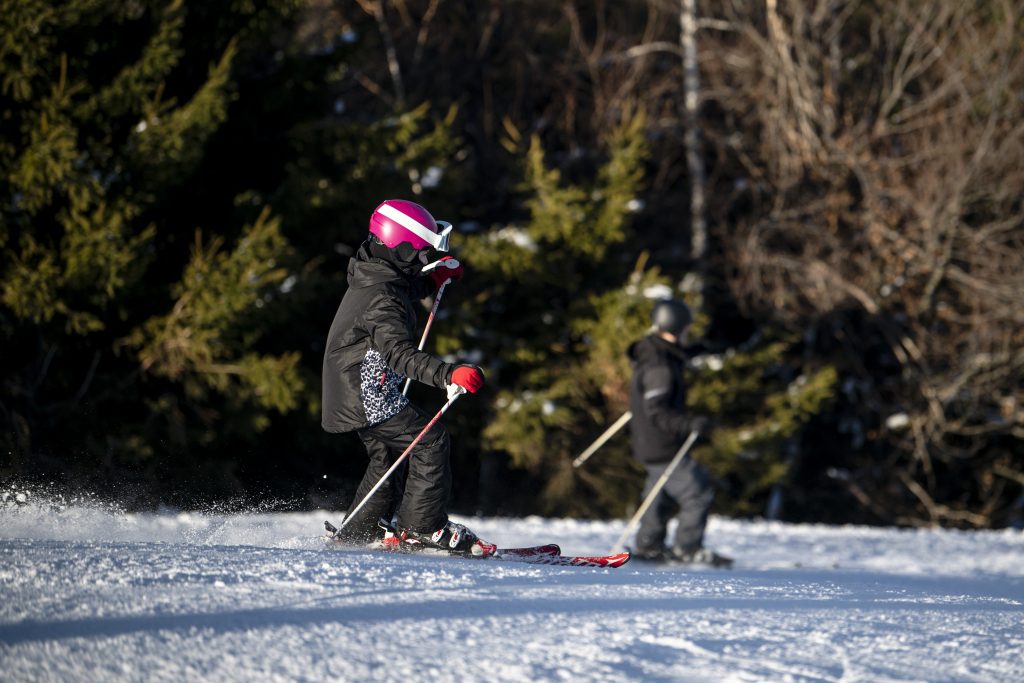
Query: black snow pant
[[419, 488], [688, 495]]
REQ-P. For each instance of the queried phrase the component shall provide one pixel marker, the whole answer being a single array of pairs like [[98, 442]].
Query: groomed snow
[[93, 594]]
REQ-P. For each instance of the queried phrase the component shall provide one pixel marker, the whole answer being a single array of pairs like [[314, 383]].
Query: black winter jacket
[[371, 349], [657, 399]]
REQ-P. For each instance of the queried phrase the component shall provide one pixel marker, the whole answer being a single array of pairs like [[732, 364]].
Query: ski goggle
[[438, 240]]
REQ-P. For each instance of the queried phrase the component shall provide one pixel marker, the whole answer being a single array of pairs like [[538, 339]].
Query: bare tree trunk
[[376, 10], [691, 105], [890, 175]]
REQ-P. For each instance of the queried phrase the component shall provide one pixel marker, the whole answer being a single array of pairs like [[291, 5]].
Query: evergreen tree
[[560, 362], [761, 398], [541, 284], [119, 346]]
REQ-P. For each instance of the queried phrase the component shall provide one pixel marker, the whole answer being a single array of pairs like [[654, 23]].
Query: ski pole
[[433, 309], [608, 433], [655, 490], [454, 391]]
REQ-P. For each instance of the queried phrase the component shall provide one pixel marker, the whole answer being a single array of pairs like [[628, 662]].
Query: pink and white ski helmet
[[397, 220]]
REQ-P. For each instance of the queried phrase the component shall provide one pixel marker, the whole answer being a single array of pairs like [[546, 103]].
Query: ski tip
[[616, 561], [600, 561]]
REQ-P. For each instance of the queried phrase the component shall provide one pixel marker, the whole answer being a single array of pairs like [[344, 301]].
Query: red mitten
[[448, 268], [469, 377]]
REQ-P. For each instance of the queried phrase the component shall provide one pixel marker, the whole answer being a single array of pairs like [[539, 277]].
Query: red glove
[[469, 377], [448, 268]]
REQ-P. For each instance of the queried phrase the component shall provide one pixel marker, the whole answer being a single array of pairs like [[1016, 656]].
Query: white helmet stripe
[[410, 223]]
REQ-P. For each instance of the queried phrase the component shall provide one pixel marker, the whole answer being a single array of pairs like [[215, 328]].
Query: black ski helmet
[[672, 316]]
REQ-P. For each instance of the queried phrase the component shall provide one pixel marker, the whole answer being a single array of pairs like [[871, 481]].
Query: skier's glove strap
[[448, 268], [469, 377]]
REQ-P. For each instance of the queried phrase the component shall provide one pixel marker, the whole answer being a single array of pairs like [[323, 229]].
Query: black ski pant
[[420, 488], [688, 495]]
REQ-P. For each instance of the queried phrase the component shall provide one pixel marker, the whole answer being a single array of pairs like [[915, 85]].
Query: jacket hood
[[366, 270], [653, 346]]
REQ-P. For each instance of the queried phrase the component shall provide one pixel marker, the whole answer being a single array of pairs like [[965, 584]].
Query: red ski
[[549, 554], [559, 560], [526, 554]]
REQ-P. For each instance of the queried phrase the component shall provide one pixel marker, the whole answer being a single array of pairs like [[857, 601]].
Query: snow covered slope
[[92, 594]]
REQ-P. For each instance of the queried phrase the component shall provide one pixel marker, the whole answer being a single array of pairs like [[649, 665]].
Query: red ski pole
[[447, 263], [454, 391]]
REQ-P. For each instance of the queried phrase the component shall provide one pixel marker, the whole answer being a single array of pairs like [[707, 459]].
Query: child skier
[[370, 351], [660, 425]]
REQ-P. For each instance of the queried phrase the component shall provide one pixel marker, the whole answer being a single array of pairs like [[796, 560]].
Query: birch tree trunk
[[691, 104]]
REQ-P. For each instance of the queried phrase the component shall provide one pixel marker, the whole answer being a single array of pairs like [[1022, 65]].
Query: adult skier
[[660, 425], [370, 351]]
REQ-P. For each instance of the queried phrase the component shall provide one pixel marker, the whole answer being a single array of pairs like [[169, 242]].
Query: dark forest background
[[835, 186]]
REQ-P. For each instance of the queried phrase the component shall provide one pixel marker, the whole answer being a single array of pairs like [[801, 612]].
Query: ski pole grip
[[449, 263]]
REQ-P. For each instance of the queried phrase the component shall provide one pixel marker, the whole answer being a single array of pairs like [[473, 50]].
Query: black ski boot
[[452, 537], [651, 555], [369, 537], [700, 555]]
